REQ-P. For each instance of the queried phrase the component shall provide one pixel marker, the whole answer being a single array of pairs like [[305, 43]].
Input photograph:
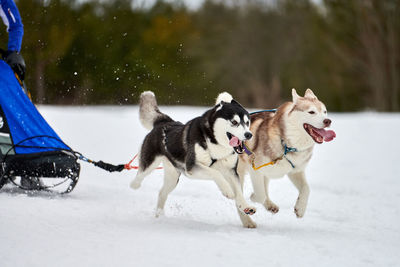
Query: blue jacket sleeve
[[10, 15]]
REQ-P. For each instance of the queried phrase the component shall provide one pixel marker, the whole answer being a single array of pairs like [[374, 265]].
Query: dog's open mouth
[[319, 134], [235, 143]]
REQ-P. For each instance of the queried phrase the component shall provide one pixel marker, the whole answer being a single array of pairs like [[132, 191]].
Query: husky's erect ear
[[310, 94], [235, 102], [295, 96], [224, 97]]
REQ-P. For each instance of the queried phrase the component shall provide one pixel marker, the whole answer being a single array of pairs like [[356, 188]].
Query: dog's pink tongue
[[327, 135], [234, 141]]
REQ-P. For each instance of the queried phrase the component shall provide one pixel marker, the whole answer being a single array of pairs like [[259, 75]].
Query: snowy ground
[[353, 217]]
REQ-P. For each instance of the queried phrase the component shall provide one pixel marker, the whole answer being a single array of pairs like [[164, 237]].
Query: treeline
[[347, 51]]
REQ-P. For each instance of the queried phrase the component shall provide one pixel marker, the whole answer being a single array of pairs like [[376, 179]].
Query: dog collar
[[246, 149]]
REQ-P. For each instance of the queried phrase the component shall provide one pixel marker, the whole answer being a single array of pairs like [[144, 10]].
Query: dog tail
[[149, 114]]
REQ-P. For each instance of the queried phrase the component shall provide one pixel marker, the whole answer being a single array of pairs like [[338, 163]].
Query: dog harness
[[286, 150]]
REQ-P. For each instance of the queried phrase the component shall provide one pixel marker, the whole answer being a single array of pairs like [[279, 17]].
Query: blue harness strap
[[288, 150], [264, 110]]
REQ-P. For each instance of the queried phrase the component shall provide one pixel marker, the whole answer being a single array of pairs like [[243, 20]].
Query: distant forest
[[108, 52]]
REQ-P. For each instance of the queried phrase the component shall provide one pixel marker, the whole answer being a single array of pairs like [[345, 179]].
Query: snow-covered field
[[353, 216]]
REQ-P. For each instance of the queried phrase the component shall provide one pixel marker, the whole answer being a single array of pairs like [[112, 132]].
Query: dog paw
[[159, 212], [299, 211], [300, 207], [134, 184], [271, 206], [249, 223], [249, 210]]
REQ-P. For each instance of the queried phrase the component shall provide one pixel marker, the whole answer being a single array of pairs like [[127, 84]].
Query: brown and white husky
[[282, 144]]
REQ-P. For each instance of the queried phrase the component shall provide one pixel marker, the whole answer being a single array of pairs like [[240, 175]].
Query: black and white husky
[[206, 147]]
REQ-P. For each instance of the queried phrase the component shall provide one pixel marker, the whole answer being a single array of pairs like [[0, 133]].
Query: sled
[[32, 155]]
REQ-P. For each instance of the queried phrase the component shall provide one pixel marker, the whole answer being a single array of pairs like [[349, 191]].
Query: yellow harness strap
[[265, 164], [253, 157]]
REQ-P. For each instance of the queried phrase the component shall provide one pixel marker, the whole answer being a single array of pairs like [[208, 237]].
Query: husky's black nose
[[248, 135], [327, 122]]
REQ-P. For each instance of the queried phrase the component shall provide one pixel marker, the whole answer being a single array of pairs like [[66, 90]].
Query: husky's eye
[[234, 123], [311, 112], [325, 112]]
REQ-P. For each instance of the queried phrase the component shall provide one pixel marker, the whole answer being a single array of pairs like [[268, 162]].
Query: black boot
[[31, 183]]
